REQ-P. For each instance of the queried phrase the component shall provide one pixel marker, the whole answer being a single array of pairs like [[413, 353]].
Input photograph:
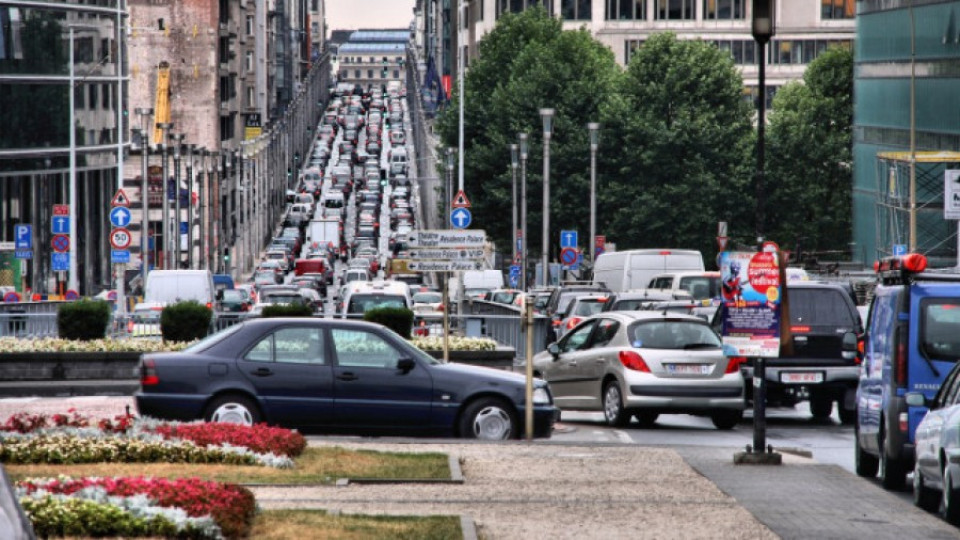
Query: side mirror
[[916, 399], [406, 364], [554, 349], [849, 346]]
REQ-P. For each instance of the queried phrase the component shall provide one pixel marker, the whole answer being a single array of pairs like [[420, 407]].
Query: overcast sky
[[353, 14]]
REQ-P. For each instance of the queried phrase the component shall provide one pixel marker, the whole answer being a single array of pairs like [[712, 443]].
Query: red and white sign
[[722, 243], [61, 209], [60, 243], [460, 201], [120, 238], [120, 199]]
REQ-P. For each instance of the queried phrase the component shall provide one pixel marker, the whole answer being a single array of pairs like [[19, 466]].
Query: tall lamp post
[[762, 30], [547, 116], [177, 139], [448, 194], [524, 149], [514, 162], [144, 114], [190, 178], [594, 129], [165, 128]]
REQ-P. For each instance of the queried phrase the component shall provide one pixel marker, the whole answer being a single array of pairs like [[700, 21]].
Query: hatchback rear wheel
[[613, 410], [726, 419]]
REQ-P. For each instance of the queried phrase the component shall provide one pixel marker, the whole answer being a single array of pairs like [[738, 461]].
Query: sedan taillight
[[633, 360], [734, 363], [573, 322], [148, 373]]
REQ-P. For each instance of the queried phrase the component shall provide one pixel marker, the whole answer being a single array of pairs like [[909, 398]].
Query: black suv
[[818, 370]]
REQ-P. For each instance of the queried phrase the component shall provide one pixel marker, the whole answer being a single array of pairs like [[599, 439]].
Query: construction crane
[[162, 105]]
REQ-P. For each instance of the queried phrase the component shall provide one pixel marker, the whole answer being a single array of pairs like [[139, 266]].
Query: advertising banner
[[750, 283]]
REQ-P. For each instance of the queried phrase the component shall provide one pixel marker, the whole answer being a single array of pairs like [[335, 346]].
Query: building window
[[837, 9], [575, 10], [249, 26], [249, 61], [79, 94], [251, 97], [93, 97], [626, 10], [743, 51], [516, 6], [674, 10], [106, 97], [724, 10], [396, 74], [105, 51], [369, 73], [801, 51], [224, 89], [356, 73], [480, 11], [631, 46]]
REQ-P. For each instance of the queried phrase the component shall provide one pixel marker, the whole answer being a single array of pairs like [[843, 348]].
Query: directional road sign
[[447, 239], [120, 238], [119, 216], [118, 256], [514, 275], [60, 262], [460, 218], [443, 266], [447, 254], [568, 256], [568, 239], [23, 234], [60, 243], [60, 225]]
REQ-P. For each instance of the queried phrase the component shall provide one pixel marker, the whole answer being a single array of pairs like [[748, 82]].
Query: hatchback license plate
[[803, 377], [688, 369]]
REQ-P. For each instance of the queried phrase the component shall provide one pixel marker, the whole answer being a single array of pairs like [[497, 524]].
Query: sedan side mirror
[[406, 364], [554, 349]]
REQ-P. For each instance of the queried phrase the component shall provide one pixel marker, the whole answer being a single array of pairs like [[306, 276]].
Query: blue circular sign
[[460, 218], [12, 296], [568, 256], [71, 295]]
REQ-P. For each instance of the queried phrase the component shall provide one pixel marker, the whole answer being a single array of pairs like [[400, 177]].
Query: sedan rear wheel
[[489, 419], [233, 409], [613, 410], [950, 499], [923, 496]]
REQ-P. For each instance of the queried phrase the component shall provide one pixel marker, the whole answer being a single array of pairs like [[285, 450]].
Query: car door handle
[[261, 372], [572, 363], [347, 376], [600, 361]]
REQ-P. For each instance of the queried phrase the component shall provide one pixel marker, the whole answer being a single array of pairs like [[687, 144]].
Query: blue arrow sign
[[568, 239], [60, 225], [23, 235], [460, 218], [119, 216]]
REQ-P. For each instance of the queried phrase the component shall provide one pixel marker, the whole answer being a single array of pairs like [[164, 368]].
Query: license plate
[[802, 377], [688, 369]]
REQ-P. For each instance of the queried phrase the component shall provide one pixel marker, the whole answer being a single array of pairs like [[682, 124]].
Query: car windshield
[[672, 334], [281, 298], [361, 303], [213, 339], [701, 287], [630, 305], [233, 296], [820, 307], [504, 297], [427, 298], [585, 308]]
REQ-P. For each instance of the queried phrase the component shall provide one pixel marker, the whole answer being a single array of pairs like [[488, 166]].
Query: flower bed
[[57, 345], [183, 508], [456, 343]]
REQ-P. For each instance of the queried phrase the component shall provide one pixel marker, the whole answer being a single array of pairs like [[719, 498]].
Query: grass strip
[[320, 525], [315, 466]]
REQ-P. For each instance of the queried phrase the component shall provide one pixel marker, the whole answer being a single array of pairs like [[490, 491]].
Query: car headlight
[[541, 396]]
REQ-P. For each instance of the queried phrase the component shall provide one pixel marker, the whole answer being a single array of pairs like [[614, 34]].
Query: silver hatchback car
[[643, 364]]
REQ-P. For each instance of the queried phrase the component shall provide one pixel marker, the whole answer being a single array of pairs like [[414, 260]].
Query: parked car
[[936, 474], [643, 364], [583, 306], [335, 375]]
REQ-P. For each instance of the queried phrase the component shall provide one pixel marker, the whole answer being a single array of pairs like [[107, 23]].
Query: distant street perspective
[[503, 269]]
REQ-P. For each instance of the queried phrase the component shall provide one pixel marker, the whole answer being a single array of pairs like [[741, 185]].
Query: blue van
[[912, 341], [223, 281]]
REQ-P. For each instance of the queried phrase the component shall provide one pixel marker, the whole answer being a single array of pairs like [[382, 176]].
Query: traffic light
[[226, 255], [289, 172]]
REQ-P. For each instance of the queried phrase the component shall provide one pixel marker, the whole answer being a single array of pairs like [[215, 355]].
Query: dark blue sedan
[[325, 375]]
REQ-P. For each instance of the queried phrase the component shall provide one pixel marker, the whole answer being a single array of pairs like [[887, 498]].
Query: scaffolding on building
[[936, 237]]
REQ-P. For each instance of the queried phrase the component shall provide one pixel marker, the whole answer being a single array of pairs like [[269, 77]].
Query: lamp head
[[594, 129], [524, 146], [547, 116], [514, 155]]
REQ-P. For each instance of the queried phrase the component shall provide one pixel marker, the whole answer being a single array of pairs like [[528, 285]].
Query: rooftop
[[352, 47], [380, 36]]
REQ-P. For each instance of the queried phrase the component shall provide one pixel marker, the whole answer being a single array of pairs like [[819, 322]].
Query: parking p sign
[[23, 233], [951, 194]]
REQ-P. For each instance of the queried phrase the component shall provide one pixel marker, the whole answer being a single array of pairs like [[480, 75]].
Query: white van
[[633, 269], [362, 296], [398, 160], [166, 287]]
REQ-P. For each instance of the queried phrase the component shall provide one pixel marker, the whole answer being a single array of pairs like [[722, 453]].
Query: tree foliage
[[809, 174]]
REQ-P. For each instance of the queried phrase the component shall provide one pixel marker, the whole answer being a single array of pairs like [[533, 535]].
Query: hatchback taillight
[[148, 373], [734, 363], [633, 360]]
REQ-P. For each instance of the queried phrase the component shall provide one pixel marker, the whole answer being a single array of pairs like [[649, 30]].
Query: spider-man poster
[[750, 286]]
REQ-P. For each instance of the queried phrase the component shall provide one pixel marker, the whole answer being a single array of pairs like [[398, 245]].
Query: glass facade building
[[886, 76], [37, 116]]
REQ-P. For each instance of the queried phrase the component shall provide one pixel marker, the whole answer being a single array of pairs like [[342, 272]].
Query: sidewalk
[[548, 490]]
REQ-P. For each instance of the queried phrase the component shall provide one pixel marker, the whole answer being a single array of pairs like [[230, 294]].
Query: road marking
[[623, 436], [19, 400]]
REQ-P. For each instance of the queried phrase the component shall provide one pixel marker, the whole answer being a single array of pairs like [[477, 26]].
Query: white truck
[[323, 232], [633, 269]]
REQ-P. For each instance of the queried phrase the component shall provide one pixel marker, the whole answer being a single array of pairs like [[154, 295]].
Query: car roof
[[628, 317]]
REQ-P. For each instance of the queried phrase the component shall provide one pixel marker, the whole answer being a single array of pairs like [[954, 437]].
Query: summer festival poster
[[750, 286]]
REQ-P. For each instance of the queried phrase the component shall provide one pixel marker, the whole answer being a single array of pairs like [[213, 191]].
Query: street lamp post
[[177, 139], [165, 127], [449, 195], [524, 149], [190, 150], [594, 129], [144, 115], [547, 116], [514, 159], [202, 259]]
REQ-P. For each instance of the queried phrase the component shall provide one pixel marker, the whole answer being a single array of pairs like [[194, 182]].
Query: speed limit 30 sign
[[120, 238]]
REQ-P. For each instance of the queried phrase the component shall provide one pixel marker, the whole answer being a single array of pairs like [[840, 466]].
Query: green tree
[[680, 159], [809, 177], [526, 63]]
